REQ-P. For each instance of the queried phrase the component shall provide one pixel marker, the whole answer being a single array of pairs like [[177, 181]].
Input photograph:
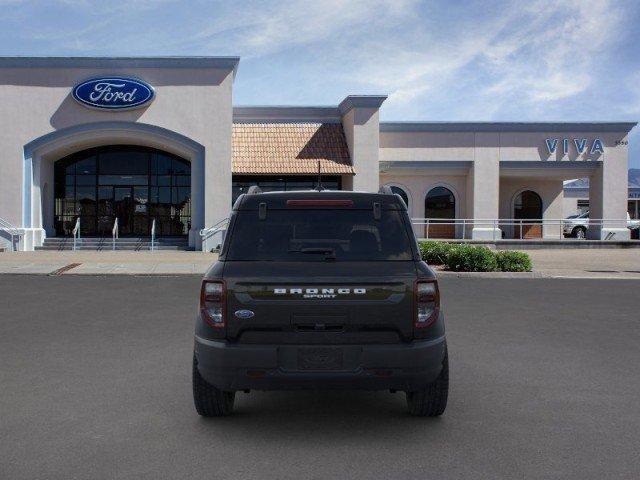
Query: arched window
[[440, 203], [402, 193], [528, 206]]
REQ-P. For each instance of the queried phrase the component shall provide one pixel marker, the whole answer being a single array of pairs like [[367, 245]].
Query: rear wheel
[[432, 401], [209, 401], [580, 232]]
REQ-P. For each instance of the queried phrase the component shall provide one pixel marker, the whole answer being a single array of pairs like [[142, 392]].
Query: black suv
[[318, 290]]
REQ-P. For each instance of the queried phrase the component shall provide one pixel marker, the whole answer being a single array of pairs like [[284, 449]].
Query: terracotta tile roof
[[293, 148]]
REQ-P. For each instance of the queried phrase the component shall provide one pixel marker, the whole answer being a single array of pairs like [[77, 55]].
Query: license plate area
[[320, 358]]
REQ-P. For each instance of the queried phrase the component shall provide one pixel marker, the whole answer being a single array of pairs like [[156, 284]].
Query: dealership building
[[158, 141]]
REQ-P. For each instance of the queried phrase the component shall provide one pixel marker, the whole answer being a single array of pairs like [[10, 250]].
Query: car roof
[[279, 199]]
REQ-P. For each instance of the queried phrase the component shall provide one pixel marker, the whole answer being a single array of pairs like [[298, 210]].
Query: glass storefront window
[[133, 184], [241, 183], [634, 209]]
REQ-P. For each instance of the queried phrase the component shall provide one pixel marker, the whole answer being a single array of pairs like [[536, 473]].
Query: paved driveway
[[95, 383]]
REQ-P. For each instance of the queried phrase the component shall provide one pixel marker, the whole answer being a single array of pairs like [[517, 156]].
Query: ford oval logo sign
[[113, 93], [244, 314]]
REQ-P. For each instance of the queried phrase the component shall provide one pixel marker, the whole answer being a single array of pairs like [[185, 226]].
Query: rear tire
[[432, 401], [580, 233], [209, 401]]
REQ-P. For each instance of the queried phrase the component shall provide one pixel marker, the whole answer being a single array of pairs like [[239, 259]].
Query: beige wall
[[193, 103], [361, 127], [440, 146], [551, 193], [417, 188], [503, 161]]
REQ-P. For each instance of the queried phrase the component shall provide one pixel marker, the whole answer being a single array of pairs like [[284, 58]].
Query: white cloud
[[261, 28], [536, 53]]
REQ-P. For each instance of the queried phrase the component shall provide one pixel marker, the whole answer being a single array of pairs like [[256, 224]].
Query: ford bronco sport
[[318, 290]]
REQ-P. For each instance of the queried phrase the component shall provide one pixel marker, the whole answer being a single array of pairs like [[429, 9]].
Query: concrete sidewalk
[[548, 263], [107, 263]]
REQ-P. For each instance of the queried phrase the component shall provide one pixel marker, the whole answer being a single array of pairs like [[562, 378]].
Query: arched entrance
[[131, 183], [527, 207], [41, 154], [440, 203]]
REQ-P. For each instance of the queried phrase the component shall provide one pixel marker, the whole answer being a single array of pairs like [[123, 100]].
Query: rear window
[[319, 235]]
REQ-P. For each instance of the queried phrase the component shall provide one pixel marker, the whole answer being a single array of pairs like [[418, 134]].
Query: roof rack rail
[[386, 190], [253, 189]]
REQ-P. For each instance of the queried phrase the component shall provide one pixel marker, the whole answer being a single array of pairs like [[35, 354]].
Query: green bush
[[467, 258], [509, 261], [435, 253]]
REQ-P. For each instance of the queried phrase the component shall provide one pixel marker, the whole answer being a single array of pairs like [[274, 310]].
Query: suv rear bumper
[[231, 367]]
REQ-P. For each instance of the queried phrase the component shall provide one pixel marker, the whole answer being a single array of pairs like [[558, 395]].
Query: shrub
[[435, 253], [509, 261], [467, 258]]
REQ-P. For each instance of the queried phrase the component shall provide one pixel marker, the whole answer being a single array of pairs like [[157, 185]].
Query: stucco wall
[[417, 188], [550, 191], [193, 102], [361, 128], [440, 146]]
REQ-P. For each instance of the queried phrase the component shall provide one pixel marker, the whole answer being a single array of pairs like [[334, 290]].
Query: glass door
[[140, 218], [123, 209]]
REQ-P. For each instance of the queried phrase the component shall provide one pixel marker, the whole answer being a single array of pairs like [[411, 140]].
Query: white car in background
[[576, 225]]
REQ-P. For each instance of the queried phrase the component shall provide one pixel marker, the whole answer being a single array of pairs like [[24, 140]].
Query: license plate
[[320, 358]]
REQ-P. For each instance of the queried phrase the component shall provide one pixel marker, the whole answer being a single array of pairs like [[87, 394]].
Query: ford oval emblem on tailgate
[[244, 313]]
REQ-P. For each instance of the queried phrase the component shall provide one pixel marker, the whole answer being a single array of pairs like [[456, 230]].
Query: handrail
[[548, 225], [114, 234], [208, 233], [12, 231], [153, 234], [76, 234]]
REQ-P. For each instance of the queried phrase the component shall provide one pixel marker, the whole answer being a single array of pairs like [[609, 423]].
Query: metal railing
[[209, 234], [517, 229], [12, 232], [152, 247], [76, 234], [114, 234]]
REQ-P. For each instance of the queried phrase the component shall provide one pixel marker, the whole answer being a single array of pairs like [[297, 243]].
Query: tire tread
[[210, 401], [432, 401]]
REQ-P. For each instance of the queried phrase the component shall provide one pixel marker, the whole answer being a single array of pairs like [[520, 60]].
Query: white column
[[34, 234], [608, 195], [485, 178], [197, 200], [361, 125]]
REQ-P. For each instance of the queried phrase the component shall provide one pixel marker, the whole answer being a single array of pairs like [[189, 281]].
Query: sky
[[441, 60]]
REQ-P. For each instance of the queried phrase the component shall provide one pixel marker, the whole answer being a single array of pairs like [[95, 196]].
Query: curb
[[445, 273]]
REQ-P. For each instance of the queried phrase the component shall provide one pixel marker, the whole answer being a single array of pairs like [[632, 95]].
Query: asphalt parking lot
[[95, 383]]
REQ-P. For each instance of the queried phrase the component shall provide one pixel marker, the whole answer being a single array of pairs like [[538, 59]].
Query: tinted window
[[315, 235]]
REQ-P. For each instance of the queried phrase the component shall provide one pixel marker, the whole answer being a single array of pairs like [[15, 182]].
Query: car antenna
[[319, 187]]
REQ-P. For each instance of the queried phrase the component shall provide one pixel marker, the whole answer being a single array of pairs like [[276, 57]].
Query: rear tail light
[[212, 302], [427, 302]]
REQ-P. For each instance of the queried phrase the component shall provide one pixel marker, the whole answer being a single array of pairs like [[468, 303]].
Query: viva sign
[[113, 93], [581, 145]]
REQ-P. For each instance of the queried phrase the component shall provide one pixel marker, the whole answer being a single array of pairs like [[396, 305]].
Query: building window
[[241, 183], [440, 203], [583, 206], [528, 206], [402, 193], [133, 184], [634, 209]]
